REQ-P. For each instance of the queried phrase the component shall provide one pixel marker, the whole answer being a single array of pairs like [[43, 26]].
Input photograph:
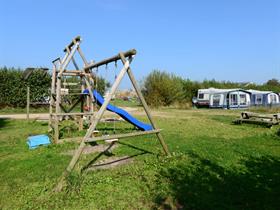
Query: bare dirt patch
[[110, 162]]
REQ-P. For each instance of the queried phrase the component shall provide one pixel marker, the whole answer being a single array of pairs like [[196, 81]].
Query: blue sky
[[236, 40]]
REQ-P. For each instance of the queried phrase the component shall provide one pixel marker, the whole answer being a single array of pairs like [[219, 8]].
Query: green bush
[[14, 88], [162, 89]]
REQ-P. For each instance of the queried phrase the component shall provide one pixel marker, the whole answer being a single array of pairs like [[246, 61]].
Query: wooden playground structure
[[87, 77]]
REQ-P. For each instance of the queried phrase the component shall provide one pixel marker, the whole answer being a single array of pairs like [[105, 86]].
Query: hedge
[[13, 87]]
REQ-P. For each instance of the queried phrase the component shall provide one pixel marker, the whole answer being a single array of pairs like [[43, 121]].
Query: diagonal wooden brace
[[97, 118], [146, 108]]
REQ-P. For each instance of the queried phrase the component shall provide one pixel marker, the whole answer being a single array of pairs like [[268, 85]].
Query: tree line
[[161, 88]]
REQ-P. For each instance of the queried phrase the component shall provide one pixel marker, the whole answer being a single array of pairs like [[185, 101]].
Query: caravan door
[[233, 100]]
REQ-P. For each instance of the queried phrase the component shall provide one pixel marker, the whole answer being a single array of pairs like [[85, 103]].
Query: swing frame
[[85, 73]]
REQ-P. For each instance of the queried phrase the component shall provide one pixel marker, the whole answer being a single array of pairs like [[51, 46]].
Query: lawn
[[214, 165]]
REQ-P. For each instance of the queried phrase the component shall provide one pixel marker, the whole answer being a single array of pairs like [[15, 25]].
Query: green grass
[[122, 103], [214, 165]]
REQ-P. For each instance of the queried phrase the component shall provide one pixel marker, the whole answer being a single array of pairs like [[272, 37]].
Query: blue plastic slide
[[122, 113]]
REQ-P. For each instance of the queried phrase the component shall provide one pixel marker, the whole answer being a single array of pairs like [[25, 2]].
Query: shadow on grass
[[206, 185], [136, 148], [3, 122], [107, 152]]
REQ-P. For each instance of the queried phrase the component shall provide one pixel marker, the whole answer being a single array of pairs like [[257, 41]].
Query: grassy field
[[214, 165]]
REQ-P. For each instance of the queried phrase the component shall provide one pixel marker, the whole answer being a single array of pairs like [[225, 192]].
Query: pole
[[27, 102]]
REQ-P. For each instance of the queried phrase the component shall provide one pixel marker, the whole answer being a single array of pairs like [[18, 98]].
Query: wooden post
[[82, 56], [63, 65], [91, 100], [27, 103], [146, 108], [56, 130], [89, 84], [52, 101], [81, 120]]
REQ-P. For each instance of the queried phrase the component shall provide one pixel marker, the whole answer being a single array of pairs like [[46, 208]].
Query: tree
[[162, 88], [272, 82]]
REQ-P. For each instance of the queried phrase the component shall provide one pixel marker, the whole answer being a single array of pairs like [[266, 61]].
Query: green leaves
[[14, 88], [162, 88]]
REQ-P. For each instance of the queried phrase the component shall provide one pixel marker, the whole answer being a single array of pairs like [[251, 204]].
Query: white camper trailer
[[203, 97], [264, 98], [230, 99]]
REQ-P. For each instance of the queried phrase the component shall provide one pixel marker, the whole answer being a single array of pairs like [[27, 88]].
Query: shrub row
[[13, 86], [164, 89]]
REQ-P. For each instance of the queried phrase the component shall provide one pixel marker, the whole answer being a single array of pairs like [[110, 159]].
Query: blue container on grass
[[38, 140]]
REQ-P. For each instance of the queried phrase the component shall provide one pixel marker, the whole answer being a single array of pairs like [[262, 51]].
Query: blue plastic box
[[38, 140]]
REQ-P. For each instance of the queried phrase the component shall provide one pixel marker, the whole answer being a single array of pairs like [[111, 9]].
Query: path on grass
[[37, 116], [137, 111]]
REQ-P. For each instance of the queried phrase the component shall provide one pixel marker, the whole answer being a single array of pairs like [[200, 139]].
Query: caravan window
[[243, 99], [233, 99], [200, 95], [258, 99]]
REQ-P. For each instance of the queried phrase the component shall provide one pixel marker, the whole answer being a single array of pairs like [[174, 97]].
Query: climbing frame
[[86, 73]]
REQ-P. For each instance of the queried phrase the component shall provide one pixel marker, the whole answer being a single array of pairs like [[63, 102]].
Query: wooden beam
[[75, 74], [72, 114], [69, 58], [55, 60], [52, 101], [72, 43], [70, 83], [123, 135], [128, 53], [77, 71], [146, 108], [256, 121], [82, 56]]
